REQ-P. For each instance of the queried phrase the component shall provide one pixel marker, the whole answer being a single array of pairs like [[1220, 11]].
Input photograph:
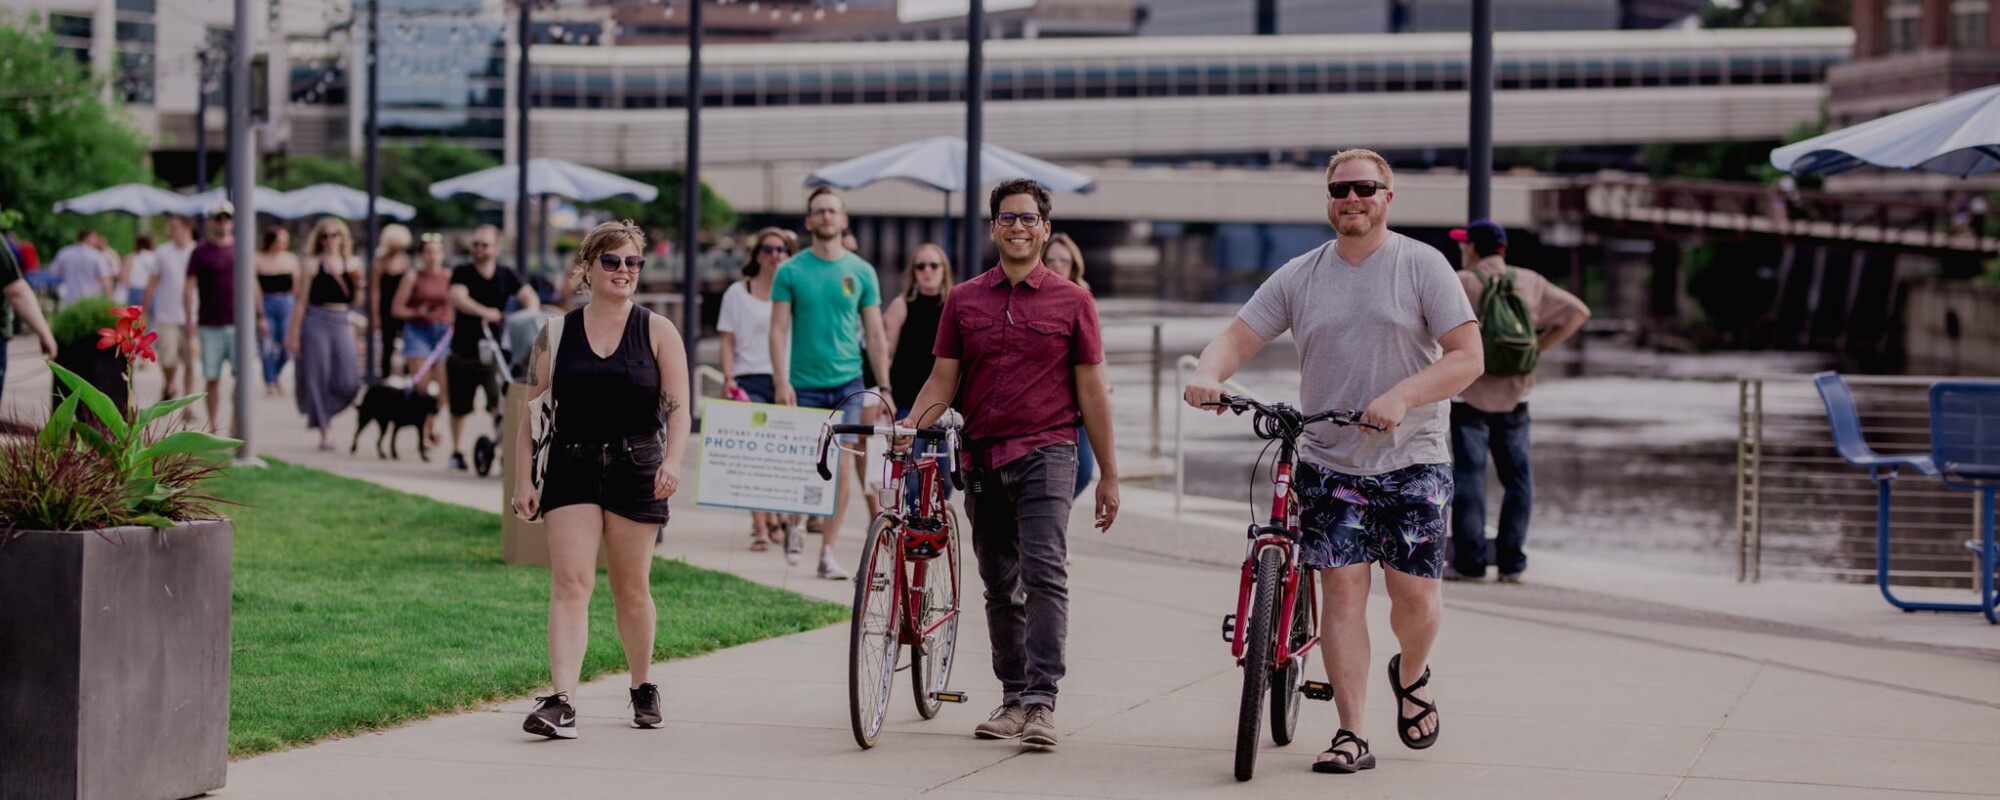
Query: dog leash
[[430, 361]]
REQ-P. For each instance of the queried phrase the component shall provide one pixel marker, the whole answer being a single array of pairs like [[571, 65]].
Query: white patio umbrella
[[1959, 135], [339, 201], [546, 176], [268, 200], [132, 198], [939, 162]]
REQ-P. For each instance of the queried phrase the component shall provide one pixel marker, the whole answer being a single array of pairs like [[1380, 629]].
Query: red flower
[[130, 336]]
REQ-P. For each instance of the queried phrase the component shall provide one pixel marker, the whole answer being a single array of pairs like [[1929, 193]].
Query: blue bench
[[1965, 448]]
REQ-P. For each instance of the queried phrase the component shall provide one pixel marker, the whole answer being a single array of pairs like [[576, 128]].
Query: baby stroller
[[510, 354]]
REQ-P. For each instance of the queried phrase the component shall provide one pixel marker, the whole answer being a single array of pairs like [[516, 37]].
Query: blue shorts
[[1396, 518], [846, 397], [420, 339]]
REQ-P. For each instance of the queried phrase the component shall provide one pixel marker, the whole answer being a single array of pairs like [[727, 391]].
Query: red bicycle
[[906, 588], [1276, 623]]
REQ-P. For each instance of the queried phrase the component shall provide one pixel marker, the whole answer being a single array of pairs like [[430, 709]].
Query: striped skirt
[[329, 374]]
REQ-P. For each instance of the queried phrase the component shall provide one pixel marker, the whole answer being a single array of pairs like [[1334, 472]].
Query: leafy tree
[[298, 172], [1777, 14], [59, 138], [408, 172], [663, 215]]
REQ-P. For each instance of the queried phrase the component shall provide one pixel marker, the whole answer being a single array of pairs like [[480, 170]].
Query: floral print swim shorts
[[1396, 518]]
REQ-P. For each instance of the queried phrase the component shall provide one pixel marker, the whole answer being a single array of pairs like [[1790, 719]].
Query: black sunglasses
[[924, 265], [1338, 189], [773, 249], [611, 261]]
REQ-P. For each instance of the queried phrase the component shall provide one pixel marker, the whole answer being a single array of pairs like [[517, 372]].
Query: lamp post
[[691, 197], [242, 185], [1479, 161], [371, 227], [521, 203], [975, 96]]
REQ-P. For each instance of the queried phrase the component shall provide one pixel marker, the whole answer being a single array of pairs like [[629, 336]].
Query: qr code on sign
[[813, 495]]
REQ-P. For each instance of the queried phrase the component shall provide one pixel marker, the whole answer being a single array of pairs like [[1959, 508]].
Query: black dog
[[388, 406]]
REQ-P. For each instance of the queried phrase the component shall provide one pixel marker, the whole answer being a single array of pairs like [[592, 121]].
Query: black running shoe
[[554, 718], [646, 706], [457, 462]]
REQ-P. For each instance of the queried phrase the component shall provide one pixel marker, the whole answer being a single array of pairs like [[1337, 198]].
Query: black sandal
[[1405, 694], [1352, 763]]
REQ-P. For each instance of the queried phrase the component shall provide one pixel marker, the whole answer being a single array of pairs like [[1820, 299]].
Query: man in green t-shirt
[[22, 298], [821, 300]]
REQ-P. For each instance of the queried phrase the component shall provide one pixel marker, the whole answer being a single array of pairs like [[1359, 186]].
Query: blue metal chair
[[1845, 420], [1965, 446]]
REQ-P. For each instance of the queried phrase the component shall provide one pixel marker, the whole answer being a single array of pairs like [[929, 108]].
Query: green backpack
[[1505, 328]]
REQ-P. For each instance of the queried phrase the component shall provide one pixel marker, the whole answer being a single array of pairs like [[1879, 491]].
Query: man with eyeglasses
[[831, 295], [479, 293], [1026, 341], [1381, 324]]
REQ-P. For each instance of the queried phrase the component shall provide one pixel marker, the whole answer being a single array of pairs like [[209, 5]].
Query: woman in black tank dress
[[912, 325], [621, 425]]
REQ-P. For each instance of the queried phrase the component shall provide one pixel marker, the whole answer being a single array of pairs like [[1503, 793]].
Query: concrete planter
[[104, 369], [114, 662]]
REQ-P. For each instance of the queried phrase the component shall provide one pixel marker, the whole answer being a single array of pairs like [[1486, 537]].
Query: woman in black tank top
[[621, 426]]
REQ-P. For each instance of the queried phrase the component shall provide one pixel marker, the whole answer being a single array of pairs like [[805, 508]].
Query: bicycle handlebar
[[931, 434], [1282, 421]]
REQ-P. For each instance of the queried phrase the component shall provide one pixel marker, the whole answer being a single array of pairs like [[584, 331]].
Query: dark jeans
[[1473, 434], [1020, 521]]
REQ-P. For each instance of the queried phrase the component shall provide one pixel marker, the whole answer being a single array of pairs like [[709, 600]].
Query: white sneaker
[[794, 544], [829, 568]]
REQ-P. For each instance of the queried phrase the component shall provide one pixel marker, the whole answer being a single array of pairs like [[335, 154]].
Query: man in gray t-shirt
[[1381, 324]]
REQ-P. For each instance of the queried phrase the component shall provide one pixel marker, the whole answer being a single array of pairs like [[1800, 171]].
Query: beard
[[1363, 225]]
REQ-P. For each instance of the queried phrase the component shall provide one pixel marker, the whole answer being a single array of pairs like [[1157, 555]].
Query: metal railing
[[1185, 365], [1803, 511]]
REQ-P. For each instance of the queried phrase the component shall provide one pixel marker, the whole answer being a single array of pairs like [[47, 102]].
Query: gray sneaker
[[1040, 728], [794, 544], [1005, 723], [830, 569]]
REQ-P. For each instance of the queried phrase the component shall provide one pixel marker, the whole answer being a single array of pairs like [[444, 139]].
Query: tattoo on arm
[[539, 356], [668, 405]]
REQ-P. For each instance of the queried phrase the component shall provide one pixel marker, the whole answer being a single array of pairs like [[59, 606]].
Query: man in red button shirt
[[1027, 344]]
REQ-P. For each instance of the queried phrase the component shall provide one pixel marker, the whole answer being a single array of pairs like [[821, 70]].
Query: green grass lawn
[[357, 608]]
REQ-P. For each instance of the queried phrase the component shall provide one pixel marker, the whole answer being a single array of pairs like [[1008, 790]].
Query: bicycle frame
[[930, 508], [1282, 532]]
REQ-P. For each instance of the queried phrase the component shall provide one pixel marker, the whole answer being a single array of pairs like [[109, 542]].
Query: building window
[[72, 34], [1905, 23], [1968, 25]]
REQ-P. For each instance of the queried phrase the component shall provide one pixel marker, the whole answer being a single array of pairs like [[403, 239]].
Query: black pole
[[371, 227], [242, 184], [521, 201], [201, 121], [228, 132], [691, 198], [975, 96], [1479, 161], [1267, 17]]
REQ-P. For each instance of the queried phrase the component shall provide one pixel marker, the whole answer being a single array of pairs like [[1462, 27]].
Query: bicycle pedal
[[1229, 628], [949, 697], [1316, 690]]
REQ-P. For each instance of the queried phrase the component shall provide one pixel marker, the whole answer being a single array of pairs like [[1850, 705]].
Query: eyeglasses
[[1006, 219], [1338, 189], [773, 250], [926, 265], [479, 245], [611, 261]]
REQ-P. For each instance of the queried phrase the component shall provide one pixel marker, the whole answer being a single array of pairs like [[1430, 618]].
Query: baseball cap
[[220, 208], [1482, 233]]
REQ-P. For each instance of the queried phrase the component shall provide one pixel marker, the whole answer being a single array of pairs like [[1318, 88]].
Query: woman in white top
[[138, 271], [745, 325]]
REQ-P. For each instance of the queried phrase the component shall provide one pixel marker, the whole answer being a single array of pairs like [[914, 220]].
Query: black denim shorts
[[616, 475]]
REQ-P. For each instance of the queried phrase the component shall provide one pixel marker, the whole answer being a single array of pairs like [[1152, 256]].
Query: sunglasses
[[331, 235], [926, 265], [1338, 189], [1006, 219], [480, 245], [773, 250], [611, 262]]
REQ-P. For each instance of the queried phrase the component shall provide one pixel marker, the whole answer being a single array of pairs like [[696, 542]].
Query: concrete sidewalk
[[1595, 680]]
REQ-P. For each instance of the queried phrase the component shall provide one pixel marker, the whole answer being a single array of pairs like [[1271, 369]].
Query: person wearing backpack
[[1521, 315]]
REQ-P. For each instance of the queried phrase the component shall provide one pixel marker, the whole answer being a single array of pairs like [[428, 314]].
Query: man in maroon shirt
[[1027, 342]]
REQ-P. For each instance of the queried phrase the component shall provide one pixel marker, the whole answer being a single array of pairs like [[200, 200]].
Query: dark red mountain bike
[[1276, 624], [906, 586]]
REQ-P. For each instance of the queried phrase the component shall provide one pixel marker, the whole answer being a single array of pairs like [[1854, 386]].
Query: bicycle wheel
[[1257, 648], [871, 644], [1289, 678], [931, 658]]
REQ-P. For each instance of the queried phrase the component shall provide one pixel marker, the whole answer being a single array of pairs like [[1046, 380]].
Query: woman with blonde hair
[[620, 379], [912, 323], [320, 339], [1064, 256], [745, 328], [385, 275]]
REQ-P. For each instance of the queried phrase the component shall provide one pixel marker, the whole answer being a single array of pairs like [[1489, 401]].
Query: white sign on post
[[763, 458]]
